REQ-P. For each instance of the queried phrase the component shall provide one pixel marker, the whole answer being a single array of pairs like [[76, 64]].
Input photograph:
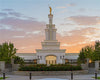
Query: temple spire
[[50, 29]]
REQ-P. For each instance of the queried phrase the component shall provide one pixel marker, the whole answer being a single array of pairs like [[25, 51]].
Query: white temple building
[[50, 52]]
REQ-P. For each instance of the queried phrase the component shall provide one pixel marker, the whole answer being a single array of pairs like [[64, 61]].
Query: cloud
[[16, 21], [75, 44], [77, 39], [16, 14], [68, 5], [14, 26], [7, 10], [18, 36], [27, 33], [61, 7], [34, 32], [6, 27], [67, 24], [71, 4], [3, 14], [82, 10], [26, 25], [64, 8], [85, 20]]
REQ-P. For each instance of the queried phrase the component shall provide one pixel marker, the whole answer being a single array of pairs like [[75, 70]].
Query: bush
[[18, 60], [43, 67]]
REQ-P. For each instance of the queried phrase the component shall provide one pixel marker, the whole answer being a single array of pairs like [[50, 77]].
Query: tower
[[50, 28], [50, 41], [50, 46]]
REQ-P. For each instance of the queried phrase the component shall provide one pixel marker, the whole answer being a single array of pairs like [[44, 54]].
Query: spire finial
[[50, 9]]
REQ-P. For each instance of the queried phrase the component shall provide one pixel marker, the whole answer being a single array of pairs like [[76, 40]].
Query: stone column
[[96, 65], [12, 63], [64, 61], [54, 34], [87, 63], [2, 65]]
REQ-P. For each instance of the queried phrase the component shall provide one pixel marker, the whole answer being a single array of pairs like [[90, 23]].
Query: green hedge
[[43, 67]]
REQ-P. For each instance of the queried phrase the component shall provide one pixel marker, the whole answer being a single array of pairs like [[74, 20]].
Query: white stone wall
[[58, 56], [58, 53], [2, 65]]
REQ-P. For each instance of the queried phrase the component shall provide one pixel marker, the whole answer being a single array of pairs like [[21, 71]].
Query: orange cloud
[[76, 40]]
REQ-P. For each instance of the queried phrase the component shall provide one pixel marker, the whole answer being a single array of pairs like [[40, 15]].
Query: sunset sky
[[22, 22]]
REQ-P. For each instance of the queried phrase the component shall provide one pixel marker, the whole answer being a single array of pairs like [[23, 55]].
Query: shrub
[[43, 67], [18, 60]]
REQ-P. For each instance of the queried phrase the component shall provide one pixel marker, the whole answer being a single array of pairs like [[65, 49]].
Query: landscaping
[[57, 67], [97, 77], [1, 78]]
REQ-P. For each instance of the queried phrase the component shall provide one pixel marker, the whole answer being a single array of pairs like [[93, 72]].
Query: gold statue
[[50, 9]]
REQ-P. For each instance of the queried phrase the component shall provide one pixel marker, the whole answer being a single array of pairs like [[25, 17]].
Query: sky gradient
[[22, 22]]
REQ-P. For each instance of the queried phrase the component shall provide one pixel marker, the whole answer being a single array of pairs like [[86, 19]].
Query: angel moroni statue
[[50, 9]]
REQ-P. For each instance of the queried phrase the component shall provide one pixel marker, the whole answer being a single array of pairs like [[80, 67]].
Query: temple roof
[[25, 54], [72, 54]]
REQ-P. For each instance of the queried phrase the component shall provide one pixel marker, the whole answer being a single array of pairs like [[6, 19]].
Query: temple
[[50, 52]]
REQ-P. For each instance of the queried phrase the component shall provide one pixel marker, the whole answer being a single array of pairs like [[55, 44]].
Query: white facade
[[50, 46], [51, 52]]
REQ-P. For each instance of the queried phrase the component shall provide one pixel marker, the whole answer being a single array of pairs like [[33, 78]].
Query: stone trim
[[50, 51]]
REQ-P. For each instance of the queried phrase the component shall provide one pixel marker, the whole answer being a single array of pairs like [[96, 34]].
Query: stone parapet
[[49, 73], [50, 51]]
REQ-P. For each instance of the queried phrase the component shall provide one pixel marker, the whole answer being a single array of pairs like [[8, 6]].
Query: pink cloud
[[23, 24], [15, 30], [27, 34], [85, 20]]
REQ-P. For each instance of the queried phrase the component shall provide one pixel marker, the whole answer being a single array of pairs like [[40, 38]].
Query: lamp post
[[96, 70], [3, 76], [95, 75], [71, 71], [30, 75]]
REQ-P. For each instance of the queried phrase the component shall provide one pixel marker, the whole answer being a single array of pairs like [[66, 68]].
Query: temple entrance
[[51, 60]]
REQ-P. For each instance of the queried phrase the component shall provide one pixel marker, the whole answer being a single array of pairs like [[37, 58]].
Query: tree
[[82, 57], [89, 52], [7, 51], [86, 52], [97, 51]]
